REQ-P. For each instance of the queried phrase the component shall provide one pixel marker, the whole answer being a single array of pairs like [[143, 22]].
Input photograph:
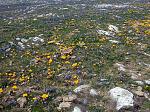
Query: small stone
[[22, 101], [58, 99], [37, 39], [139, 93], [121, 67], [114, 41], [122, 97], [107, 33], [64, 105], [103, 82], [24, 40], [85, 101], [82, 88], [21, 45], [147, 82], [139, 83], [17, 39], [93, 92], [113, 28], [69, 98], [77, 109]]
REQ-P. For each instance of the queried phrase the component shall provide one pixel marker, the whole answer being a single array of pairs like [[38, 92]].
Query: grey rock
[[147, 82], [122, 97], [121, 67], [107, 33], [18, 39], [139, 93], [82, 88], [69, 98], [22, 101], [64, 105], [103, 82], [139, 83], [76, 109], [114, 41], [20, 44], [24, 40], [36, 39], [93, 92], [113, 28]]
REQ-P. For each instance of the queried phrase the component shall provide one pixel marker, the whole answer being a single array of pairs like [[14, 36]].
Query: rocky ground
[[75, 56]]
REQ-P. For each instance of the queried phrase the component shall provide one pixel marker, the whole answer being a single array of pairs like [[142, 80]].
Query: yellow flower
[[113, 45], [67, 62], [75, 77], [63, 57], [30, 70], [22, 79], [48, 57], [1, 90], [50, 61], [34, 98], [14, 87], [49, 71], [76, 81], [44, 96], [74, 65], [25, 95]]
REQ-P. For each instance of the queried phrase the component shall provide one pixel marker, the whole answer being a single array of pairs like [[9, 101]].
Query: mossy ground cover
[[73, 53]]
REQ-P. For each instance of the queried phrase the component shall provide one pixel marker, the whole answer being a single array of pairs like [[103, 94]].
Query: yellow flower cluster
[[74, 65], [44, 96], [76, 79], [11, 74], [50, 61], [25, 95], [14, 87], [1, 90]]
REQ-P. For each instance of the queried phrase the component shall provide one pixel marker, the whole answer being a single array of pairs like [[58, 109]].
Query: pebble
[[64, 105], [107, 33], [82, 88], [113, 28], [69, 98], [22, 101], [147, 82], [139, 83], [77, 109], [93, 92]]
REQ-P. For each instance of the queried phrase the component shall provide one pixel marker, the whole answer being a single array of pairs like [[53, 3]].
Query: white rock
[[121, 67], [82, 88], [122, 97], [139, 93], [110, 6], [139, 83], [93, 92], [77, 109], [64, 105], [22, 101], [147, 82], [107, 33], [17, 39], [69, 98], [113, 28], [114, 41], [37, 39], [21, 45], [24, 40]]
